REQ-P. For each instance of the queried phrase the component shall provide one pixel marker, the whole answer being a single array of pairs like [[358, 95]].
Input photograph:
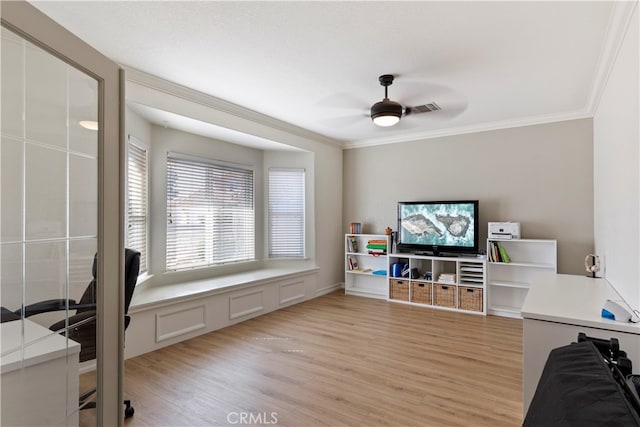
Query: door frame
[[36, 27]]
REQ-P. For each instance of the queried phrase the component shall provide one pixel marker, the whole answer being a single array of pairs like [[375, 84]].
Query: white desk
[[557, 308], [40, 382]]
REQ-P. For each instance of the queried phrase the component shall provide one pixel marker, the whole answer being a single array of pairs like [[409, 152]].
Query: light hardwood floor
[[337, 361]]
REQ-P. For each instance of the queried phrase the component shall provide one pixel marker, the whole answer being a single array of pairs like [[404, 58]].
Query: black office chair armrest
[[46, 307], [81, 329], [7, 315], [77, 321]]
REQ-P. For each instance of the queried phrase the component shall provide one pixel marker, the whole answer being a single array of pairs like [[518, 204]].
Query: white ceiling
[[315, 64]]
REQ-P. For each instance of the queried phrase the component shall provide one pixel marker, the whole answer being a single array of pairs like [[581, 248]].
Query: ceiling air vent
[[426, 108]]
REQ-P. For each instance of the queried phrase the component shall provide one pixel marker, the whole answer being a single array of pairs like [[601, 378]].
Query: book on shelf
[[355, 227], [353, 263], [376, 251], [493, 251], [503, 253], [377, 242], [352, 244], [498, 253], [377, 247]]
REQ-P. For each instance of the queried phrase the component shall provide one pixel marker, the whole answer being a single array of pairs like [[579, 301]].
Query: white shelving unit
[[427, 283], [362, 281], [508, 282]]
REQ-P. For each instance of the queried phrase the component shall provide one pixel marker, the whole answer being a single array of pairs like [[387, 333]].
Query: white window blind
[[137, 201], [286, 213], [210, 213]]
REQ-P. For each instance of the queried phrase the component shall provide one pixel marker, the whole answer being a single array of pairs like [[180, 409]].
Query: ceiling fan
[[387, 112]]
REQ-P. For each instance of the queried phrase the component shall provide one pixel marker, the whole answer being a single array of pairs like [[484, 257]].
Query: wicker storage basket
[[399, 289], [445, 295], [469, 298], [421, 292]]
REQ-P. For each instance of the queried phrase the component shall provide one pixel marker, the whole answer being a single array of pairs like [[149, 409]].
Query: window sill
[[148, 296]]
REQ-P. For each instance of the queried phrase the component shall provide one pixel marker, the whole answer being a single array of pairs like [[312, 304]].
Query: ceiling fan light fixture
[[386, 113]]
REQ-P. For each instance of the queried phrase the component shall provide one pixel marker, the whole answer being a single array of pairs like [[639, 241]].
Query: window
[[137, 200], [286, 213], [210, 213]]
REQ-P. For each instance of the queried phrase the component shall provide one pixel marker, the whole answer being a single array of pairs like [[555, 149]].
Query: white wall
[[616, 177], [540, 176], [329, 239], [137, 126]]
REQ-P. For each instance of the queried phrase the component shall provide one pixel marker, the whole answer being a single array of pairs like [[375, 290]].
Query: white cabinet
[[42, 365], [508, 280], [558, 307], [366, 265], [450, 283]]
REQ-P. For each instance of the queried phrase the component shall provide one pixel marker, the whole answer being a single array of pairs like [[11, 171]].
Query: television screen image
[[438, 226]]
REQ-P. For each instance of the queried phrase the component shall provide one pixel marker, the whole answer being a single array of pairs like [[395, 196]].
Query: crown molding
[[173, 89], [482, 127], [619, 21]]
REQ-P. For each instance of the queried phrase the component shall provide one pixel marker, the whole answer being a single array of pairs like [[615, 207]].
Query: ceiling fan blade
[[343, 101], [353, 109], [344, 121]]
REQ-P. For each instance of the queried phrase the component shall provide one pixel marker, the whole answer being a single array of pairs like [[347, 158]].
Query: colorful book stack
[[355, 228], [377, 247], [497, 253]]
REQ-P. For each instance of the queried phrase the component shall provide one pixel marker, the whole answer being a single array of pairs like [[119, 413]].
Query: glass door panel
[[48, 236]]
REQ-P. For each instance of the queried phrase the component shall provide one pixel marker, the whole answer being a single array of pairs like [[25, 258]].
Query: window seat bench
[[162, 315]]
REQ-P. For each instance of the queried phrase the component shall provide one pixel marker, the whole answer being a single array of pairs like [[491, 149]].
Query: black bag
[[582, 386]]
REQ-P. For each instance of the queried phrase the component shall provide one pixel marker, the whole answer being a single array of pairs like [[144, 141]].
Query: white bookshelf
[[508, 282], [362, 281], [453, 283]]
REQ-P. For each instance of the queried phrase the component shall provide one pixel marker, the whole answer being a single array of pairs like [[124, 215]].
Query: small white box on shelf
[[504, 230]]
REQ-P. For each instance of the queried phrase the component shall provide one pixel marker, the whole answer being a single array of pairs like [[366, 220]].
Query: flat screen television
[[437, 228]]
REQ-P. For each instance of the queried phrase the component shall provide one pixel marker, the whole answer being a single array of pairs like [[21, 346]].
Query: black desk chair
[[82, 325]]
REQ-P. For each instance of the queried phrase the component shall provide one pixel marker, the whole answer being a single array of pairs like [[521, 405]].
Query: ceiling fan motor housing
[[386, 107]]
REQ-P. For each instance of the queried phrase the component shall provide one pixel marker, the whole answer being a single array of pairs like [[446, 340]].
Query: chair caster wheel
[[128, 410]]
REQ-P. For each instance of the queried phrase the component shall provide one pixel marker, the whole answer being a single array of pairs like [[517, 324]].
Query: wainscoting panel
[[293, 291], [174, 323], [241, 305]]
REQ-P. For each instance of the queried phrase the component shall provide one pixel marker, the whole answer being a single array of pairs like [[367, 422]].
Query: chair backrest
[[131, 271], [83, 323], [89, 296]]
